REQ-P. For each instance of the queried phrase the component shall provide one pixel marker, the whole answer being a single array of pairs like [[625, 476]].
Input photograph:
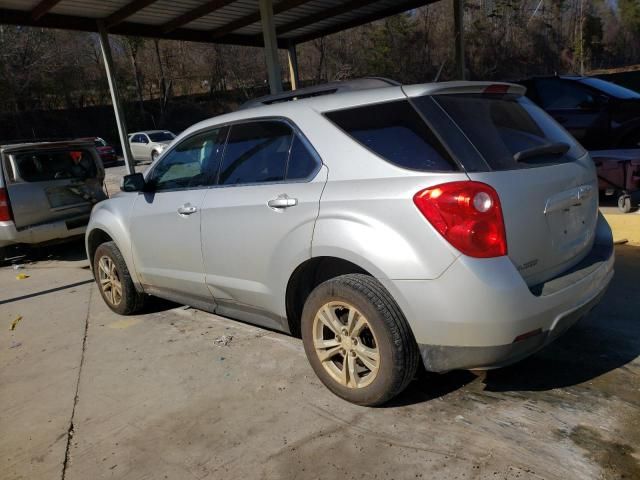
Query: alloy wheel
[[346, 345], [110, 282]]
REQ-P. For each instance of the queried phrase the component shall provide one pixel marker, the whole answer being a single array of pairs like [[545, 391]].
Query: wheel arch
[[307, 276]]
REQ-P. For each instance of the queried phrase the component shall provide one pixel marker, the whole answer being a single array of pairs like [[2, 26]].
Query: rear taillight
[[468, 214], [5, 208]]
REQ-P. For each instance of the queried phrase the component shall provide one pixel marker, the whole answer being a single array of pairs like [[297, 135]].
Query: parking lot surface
[[178, 393]]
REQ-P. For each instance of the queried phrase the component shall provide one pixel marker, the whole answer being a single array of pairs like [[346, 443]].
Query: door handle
[[187, 209], [282, 201]]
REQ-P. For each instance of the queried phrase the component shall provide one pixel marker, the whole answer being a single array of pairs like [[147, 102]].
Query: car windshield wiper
[[547, 149]]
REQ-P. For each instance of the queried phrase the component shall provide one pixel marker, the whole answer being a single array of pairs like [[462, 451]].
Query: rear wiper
[[547, 149]]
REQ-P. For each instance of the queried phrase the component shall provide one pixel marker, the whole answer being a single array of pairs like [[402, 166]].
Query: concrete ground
[[87, 394]]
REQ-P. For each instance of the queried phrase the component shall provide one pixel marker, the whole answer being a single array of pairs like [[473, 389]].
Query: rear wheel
[[114, 280], [357, 340]]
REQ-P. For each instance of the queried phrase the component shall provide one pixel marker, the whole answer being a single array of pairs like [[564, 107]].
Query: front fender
[[112, 217]]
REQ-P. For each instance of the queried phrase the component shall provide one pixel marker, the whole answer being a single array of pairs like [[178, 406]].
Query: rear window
[[56, 165], [395, 132], [161, 136], [503, 126]]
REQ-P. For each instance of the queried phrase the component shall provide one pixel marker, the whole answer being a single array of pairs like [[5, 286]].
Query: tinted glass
[[161, 136], [302, 163], [192, 163], [397, 133], [610, 88], [256, 153], [502, 125], [56, 165], [563, 94]]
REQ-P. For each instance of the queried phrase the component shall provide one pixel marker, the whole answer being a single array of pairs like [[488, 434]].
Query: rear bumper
[[45, 232], [444, 358], [473, 315]]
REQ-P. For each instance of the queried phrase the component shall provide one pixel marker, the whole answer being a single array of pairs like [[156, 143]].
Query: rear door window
[[56, 165], [502, 126], [396, 132]]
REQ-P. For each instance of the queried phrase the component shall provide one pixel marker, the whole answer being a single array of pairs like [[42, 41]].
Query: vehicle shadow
[[607, 339], [70, 251]]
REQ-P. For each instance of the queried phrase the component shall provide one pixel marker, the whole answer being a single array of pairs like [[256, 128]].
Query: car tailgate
[[52, 185]]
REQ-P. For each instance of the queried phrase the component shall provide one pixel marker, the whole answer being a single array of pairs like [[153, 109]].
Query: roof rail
[[365, 83]]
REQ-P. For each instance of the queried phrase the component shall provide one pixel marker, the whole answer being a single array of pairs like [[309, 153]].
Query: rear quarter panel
[[367, 215]]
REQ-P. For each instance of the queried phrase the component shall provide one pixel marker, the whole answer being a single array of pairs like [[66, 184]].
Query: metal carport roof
[[217, 21], [267, 23]]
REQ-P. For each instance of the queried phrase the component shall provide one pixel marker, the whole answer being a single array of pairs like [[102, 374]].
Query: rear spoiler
[[447, 88]]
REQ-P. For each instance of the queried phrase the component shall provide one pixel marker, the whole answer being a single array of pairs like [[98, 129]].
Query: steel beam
[[129, 9], [191, 15], [294, 74], [115, 98], [42, 8], [270, 46]]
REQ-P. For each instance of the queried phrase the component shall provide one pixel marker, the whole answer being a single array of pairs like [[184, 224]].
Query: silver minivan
[[47, 191], [452, 223]]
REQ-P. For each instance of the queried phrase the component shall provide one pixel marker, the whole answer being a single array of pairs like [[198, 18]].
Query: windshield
[[610, 88], [502, 126], [161, 136]]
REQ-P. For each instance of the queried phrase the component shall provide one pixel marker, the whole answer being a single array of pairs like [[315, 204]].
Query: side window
[[134, 139], [144, 139], [562, 94], [302, 162], [256, 153], [192, 163], [395, 132]]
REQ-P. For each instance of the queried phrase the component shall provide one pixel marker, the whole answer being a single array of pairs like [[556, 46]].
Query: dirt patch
[[615, 459]]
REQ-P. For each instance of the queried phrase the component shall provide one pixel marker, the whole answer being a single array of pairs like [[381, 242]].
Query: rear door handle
[[187, 209], [283, 201]]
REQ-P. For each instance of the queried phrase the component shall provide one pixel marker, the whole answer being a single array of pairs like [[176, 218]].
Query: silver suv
[[455, 223], [47, 191]]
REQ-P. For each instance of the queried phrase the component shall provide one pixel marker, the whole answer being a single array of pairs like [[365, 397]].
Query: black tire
[[396, 346], [131, 301], [624, 203]]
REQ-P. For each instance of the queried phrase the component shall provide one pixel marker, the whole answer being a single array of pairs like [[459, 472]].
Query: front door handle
[[282, 201], [187, 209]]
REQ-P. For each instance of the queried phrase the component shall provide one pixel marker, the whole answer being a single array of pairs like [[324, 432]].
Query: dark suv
[[599, 114]]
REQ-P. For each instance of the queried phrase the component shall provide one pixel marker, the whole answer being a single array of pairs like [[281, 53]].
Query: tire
[[129, 300], [386, 332], [154, 156], [624, 203]]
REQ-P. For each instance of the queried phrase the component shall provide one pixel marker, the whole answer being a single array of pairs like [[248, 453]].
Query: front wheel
[[154, 156], [114, 280], [357, 340]]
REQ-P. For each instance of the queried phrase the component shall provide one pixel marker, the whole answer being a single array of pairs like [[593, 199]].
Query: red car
[[107, 153]]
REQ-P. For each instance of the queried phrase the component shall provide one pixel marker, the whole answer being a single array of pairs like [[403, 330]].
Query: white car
[[148, 145]]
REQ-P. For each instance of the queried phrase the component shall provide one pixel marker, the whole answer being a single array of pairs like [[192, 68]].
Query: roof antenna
[[435, 80]]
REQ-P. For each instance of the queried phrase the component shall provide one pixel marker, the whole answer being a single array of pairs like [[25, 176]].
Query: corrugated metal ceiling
[[222, 21]]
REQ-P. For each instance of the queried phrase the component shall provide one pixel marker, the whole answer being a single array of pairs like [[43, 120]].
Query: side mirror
[[133, 183]]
